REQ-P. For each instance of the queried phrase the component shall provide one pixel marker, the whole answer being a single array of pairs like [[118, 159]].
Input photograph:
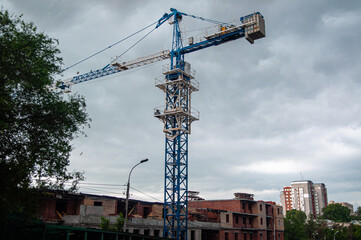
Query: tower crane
[[177, 115]]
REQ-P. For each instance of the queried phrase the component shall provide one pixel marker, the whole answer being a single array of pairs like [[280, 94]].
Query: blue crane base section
[[176, 175]]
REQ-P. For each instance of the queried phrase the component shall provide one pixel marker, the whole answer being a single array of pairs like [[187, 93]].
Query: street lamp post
[[314, 235], [127, 197], [334, 235]]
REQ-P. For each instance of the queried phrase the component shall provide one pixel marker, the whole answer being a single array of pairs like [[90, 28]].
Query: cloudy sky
[[285, 108]]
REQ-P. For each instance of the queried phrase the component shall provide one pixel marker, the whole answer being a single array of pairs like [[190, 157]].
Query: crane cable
[[206, 19], [113, 46], [201, 18], [117, 57]]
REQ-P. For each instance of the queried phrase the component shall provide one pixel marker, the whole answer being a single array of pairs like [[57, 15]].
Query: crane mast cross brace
[[177, 115]]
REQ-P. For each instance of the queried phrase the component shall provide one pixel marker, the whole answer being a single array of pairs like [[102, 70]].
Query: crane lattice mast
[[177, 118]]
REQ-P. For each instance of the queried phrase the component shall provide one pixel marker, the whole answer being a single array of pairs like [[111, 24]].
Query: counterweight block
[[254, 27]]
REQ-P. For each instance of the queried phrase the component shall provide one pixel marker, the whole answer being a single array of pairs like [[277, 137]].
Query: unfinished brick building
[[240, 218], [59, 204]]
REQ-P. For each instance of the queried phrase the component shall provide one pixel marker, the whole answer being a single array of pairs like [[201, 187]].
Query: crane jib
[[252, 27], [213, 41]]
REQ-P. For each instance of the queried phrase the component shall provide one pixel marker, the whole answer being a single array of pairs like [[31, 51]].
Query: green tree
[[311, 227], [104, 223], [120, 222], [356, 232], [36, 124], [118, 226], [295, 225], [358, 213], [321, 229], [336, 212]]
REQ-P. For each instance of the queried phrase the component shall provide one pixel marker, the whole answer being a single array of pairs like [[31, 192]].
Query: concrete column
[[198, 234]]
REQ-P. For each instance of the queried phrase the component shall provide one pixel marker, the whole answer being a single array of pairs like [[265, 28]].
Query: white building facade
[[305, 196]]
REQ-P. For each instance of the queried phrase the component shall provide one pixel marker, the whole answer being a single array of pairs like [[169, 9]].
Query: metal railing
[[161, 81], [166, 69], [161, 111]]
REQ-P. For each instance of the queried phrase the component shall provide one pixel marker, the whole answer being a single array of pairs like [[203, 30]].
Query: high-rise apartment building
[[320, 197], [286, 199], [305, 196]]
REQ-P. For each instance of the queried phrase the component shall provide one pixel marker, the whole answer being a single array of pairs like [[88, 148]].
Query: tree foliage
[[36, 124], [295, 225], [118, 226], [298, 228], [358, 213], [311, 227], [119, 222], [104, 223], [336, 212], [356, 232]]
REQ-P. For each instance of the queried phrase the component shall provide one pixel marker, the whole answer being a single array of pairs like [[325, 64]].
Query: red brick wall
[[228, 205], [269, 210], [237, 223], [72, 206], [48, 212], [280, 234]]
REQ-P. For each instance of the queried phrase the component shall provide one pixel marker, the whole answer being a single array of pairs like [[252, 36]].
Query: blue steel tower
[[177, 116]]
